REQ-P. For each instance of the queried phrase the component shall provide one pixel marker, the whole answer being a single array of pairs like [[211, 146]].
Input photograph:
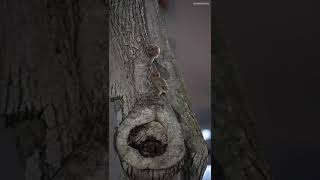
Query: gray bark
[[237, 154], [53, 74], [145, 121]]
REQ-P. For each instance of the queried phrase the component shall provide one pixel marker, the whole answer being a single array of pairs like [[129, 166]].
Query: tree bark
[[53, 74], [237, 155], [157, 137], [54, 81]]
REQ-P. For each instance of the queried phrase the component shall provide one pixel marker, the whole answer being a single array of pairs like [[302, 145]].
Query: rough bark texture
[[237, 156], [53, 74], [157, 137]]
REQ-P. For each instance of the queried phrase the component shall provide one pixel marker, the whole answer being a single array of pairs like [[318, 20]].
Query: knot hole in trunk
[[149, 139]]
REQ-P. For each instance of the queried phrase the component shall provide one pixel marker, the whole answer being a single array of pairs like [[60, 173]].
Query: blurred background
[[276, 44]]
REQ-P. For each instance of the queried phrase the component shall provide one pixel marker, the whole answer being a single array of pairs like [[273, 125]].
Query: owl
[[160, 84], [152, 51]]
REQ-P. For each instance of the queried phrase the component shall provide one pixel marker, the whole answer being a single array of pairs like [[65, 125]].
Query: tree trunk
[[157, 137], [237, 154], [53, 74]]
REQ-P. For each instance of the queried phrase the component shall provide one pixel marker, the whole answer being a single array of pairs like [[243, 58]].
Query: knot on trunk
[[150, 143]]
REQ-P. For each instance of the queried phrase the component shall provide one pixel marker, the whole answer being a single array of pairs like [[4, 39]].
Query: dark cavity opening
[[146, 144]]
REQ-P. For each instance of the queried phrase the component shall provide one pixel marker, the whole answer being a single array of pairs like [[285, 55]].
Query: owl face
[[153, 50], [156, 75]]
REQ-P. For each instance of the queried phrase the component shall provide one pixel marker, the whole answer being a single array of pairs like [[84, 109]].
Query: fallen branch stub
[[150, 144]]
